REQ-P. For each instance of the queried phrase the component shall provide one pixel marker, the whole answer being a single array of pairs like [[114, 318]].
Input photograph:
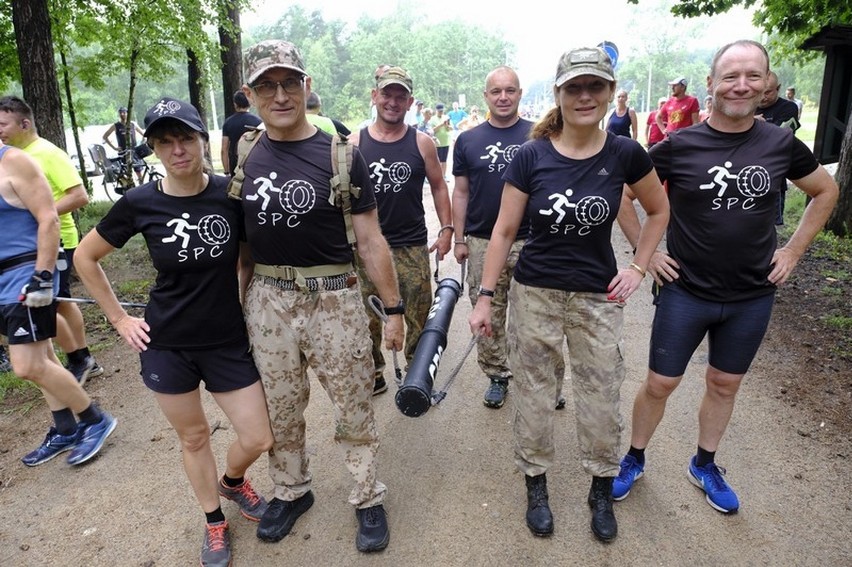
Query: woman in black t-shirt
[[193, 329], [568, 180]]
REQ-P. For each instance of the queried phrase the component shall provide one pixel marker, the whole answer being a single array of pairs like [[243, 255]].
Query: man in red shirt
[[680, 111], [653, 134]]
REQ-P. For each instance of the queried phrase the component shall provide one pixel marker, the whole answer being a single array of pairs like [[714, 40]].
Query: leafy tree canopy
[[787, 22]]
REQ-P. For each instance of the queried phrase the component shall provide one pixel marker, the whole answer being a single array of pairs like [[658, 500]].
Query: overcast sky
[[541, 29]]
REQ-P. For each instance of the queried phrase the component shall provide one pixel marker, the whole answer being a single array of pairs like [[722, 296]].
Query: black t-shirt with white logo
[[397, 171], [233, 129], [288, 217], [194, 246], [572, 205], [483, 154], [723, 191]]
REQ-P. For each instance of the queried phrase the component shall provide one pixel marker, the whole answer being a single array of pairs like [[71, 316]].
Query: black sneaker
[[373, 532], [97, 370], [5, 365], [82, 370], [495, 395], [380, 386], [281, 515]]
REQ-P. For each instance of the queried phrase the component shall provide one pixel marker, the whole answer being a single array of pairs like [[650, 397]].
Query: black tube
[[415, 395]]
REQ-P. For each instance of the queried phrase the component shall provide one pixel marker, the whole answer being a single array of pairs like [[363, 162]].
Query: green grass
[[9, 383], [841, 322]]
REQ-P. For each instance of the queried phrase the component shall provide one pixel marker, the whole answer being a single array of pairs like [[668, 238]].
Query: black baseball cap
[[174, 109]]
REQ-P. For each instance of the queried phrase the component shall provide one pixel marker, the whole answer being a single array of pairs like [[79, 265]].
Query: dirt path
[[455, 496]]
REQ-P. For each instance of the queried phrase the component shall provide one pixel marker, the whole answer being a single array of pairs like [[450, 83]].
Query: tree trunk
[[840, 221], [230, 53], [196, 93], [66, 80], [131, 96], [38, 78]]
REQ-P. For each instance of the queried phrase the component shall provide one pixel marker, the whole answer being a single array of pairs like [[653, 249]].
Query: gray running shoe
[[216, 549], [252, 505]]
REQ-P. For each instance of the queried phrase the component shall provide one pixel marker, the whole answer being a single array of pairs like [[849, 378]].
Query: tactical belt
[[289, 278]]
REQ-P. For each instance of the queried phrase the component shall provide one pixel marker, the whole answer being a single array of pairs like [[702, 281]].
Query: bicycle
[[117, 179]]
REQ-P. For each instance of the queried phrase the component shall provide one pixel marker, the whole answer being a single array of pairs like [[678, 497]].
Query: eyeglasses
[[593, 88], [267, 89]]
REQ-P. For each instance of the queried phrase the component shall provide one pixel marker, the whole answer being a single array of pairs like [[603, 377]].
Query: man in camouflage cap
[[399, 159], [270, 54], [302, 303]]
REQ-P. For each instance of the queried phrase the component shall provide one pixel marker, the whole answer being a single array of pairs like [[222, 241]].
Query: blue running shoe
[[92, 438], [710, 479], [630, 472], [53, 444]]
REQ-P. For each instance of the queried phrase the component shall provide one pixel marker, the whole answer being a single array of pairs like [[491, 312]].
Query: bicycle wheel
[[115, 190]]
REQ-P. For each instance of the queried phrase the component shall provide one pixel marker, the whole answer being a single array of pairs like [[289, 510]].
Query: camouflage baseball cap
[[270, 54], [584, 61], [395, 76]]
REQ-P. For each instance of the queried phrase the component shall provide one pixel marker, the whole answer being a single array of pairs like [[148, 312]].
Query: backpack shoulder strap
[[244, 147], [342, 189]]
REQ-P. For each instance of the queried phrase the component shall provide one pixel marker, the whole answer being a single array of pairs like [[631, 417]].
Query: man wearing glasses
[[302, 303]]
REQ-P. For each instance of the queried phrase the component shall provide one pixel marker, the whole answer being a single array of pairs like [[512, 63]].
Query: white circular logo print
[[214, 229], [297, 196], [754, 181], [592, 211], [399, 172]]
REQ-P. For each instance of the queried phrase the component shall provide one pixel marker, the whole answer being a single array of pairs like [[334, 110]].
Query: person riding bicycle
[[124, 135]]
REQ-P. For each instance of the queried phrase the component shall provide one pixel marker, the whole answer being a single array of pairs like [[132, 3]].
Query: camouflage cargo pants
[[492, 353], [540, 319], [326, 331], [415, 286]]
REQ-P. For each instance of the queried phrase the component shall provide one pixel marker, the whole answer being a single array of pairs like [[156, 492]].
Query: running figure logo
[[752, 180], [398, 173], [213, 230], [295, 196], [590, 211], [493, 152], [166, 107]]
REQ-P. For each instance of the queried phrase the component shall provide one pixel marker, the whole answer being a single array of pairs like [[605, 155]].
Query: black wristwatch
[[44, 276], [486, 292], [398, 310]]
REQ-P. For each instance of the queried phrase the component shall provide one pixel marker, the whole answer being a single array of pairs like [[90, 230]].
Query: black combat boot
[[604, 525], [539, 518]]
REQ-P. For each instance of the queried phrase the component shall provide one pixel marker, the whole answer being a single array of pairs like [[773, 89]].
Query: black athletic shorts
[[222, 369], [23, 325], [65, 275], [734, 331], [443, 153]]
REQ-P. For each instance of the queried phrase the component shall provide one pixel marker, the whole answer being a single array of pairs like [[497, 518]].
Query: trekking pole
[[86, 300]]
